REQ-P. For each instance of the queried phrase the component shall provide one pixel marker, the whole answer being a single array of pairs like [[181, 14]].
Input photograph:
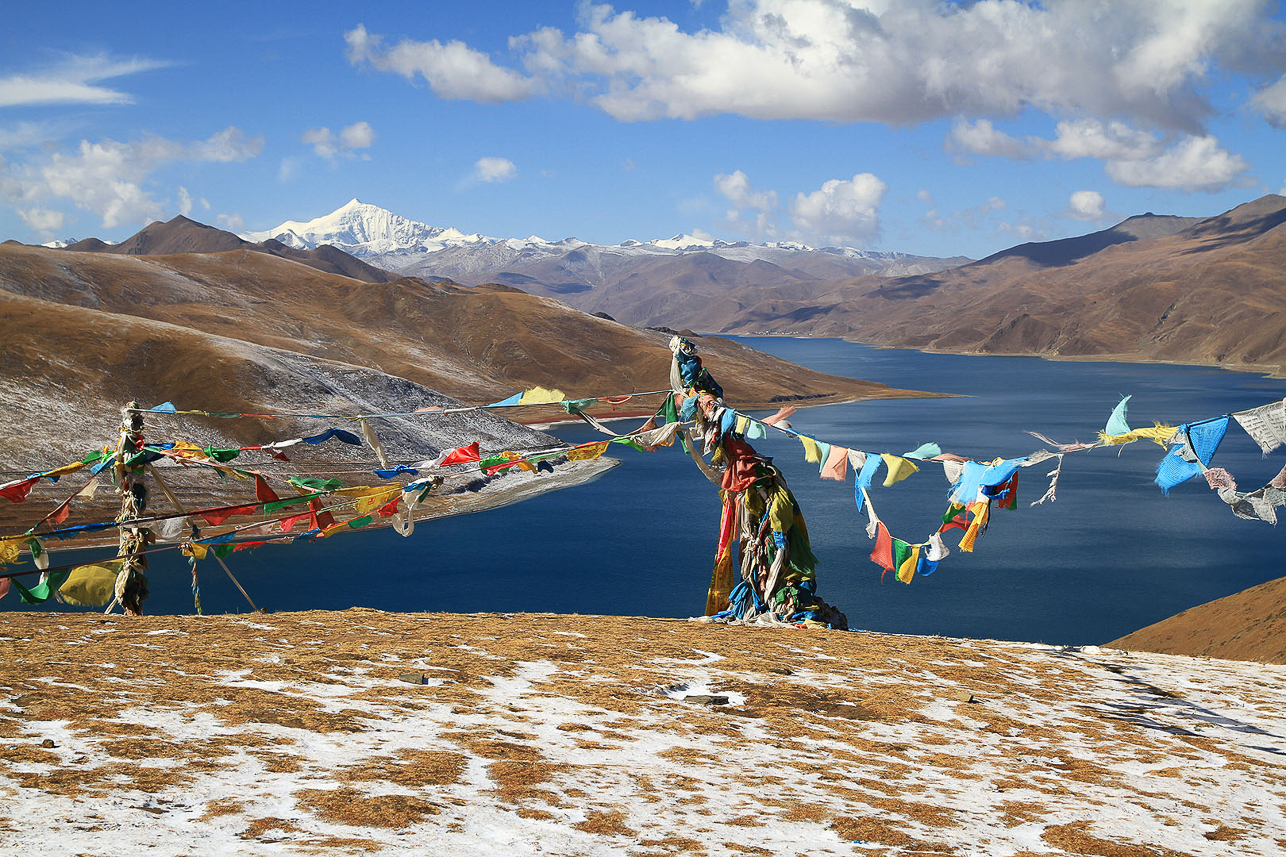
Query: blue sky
[[927, 127]]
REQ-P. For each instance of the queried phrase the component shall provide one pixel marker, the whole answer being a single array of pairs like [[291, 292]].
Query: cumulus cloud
[[359, 135], [494, 170], [1271, 102], [453, 70], [1085, 205], [230, 222], [73, 81], [1195, 163], [841, 211], [898, 61], [107, 177], [749, 211], [185, 201]]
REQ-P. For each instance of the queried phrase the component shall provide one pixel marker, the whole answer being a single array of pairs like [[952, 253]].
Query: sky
[[935, 128]]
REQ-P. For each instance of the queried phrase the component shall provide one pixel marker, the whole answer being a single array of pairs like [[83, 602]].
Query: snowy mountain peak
[[682, 241], [365, 230]]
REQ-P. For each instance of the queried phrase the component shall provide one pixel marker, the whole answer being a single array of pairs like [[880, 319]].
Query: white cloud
[[745, 200], [494, 170], [72, 82], [359, 135], [924, 195], [107, 177], [842, 211], [453, 70], [897, 62], [1085, 205], [230, 144], [1132, 157], [42, 220], [1090, 138], [982, 138], [185, 201], [1271, 102], [230, 222], [1193, 164]]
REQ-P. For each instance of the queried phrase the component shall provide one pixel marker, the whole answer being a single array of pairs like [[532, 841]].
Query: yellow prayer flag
[[899, 468], [540, 396], [91, 585], [906, 570], [812, 452], [1158, 434], [65, 469], [366, 505], [10, 549], [587, 453], [191, 549]]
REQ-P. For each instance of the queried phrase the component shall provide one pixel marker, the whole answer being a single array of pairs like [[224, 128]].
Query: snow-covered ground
[[370, 732]]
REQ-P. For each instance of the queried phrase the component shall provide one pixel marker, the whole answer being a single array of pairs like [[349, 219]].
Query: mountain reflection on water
[[1110, 556]]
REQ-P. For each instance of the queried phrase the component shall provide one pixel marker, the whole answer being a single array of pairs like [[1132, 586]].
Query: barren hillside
[[372, 733]]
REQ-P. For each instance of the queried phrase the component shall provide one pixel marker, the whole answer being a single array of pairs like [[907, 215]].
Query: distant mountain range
[[1189, 290], [589, 276]]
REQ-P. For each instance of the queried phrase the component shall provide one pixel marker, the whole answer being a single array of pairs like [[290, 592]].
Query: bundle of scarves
[[765, 569]]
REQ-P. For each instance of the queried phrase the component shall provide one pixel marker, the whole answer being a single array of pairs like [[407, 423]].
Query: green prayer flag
[[316, 484], [358, 523], [41, 592], [576, 406], [274, 505], [901, 552], [223, 550], [221, 455]]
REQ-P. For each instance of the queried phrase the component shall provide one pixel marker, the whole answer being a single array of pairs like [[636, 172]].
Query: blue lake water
[[1110, 556]]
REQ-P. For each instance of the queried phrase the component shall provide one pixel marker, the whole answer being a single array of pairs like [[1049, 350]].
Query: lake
[[1111, 555]]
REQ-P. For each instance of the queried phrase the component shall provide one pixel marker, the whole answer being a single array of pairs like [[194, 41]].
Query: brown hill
[[182, 235], [198, 328], [1213, 292], [1248, 626]]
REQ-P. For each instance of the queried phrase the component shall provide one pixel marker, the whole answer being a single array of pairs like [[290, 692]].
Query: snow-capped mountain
[[365, 230], [621, 279]]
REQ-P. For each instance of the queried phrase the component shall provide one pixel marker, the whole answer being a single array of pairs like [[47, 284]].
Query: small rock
[[960, 695], [413, 678], [48, 743], [703, 699], [780, 671]]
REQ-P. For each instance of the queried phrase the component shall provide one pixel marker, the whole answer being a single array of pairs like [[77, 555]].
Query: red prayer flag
[[214, 517], [462, 455], [19, 490], [883, 553], [264, 492]]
